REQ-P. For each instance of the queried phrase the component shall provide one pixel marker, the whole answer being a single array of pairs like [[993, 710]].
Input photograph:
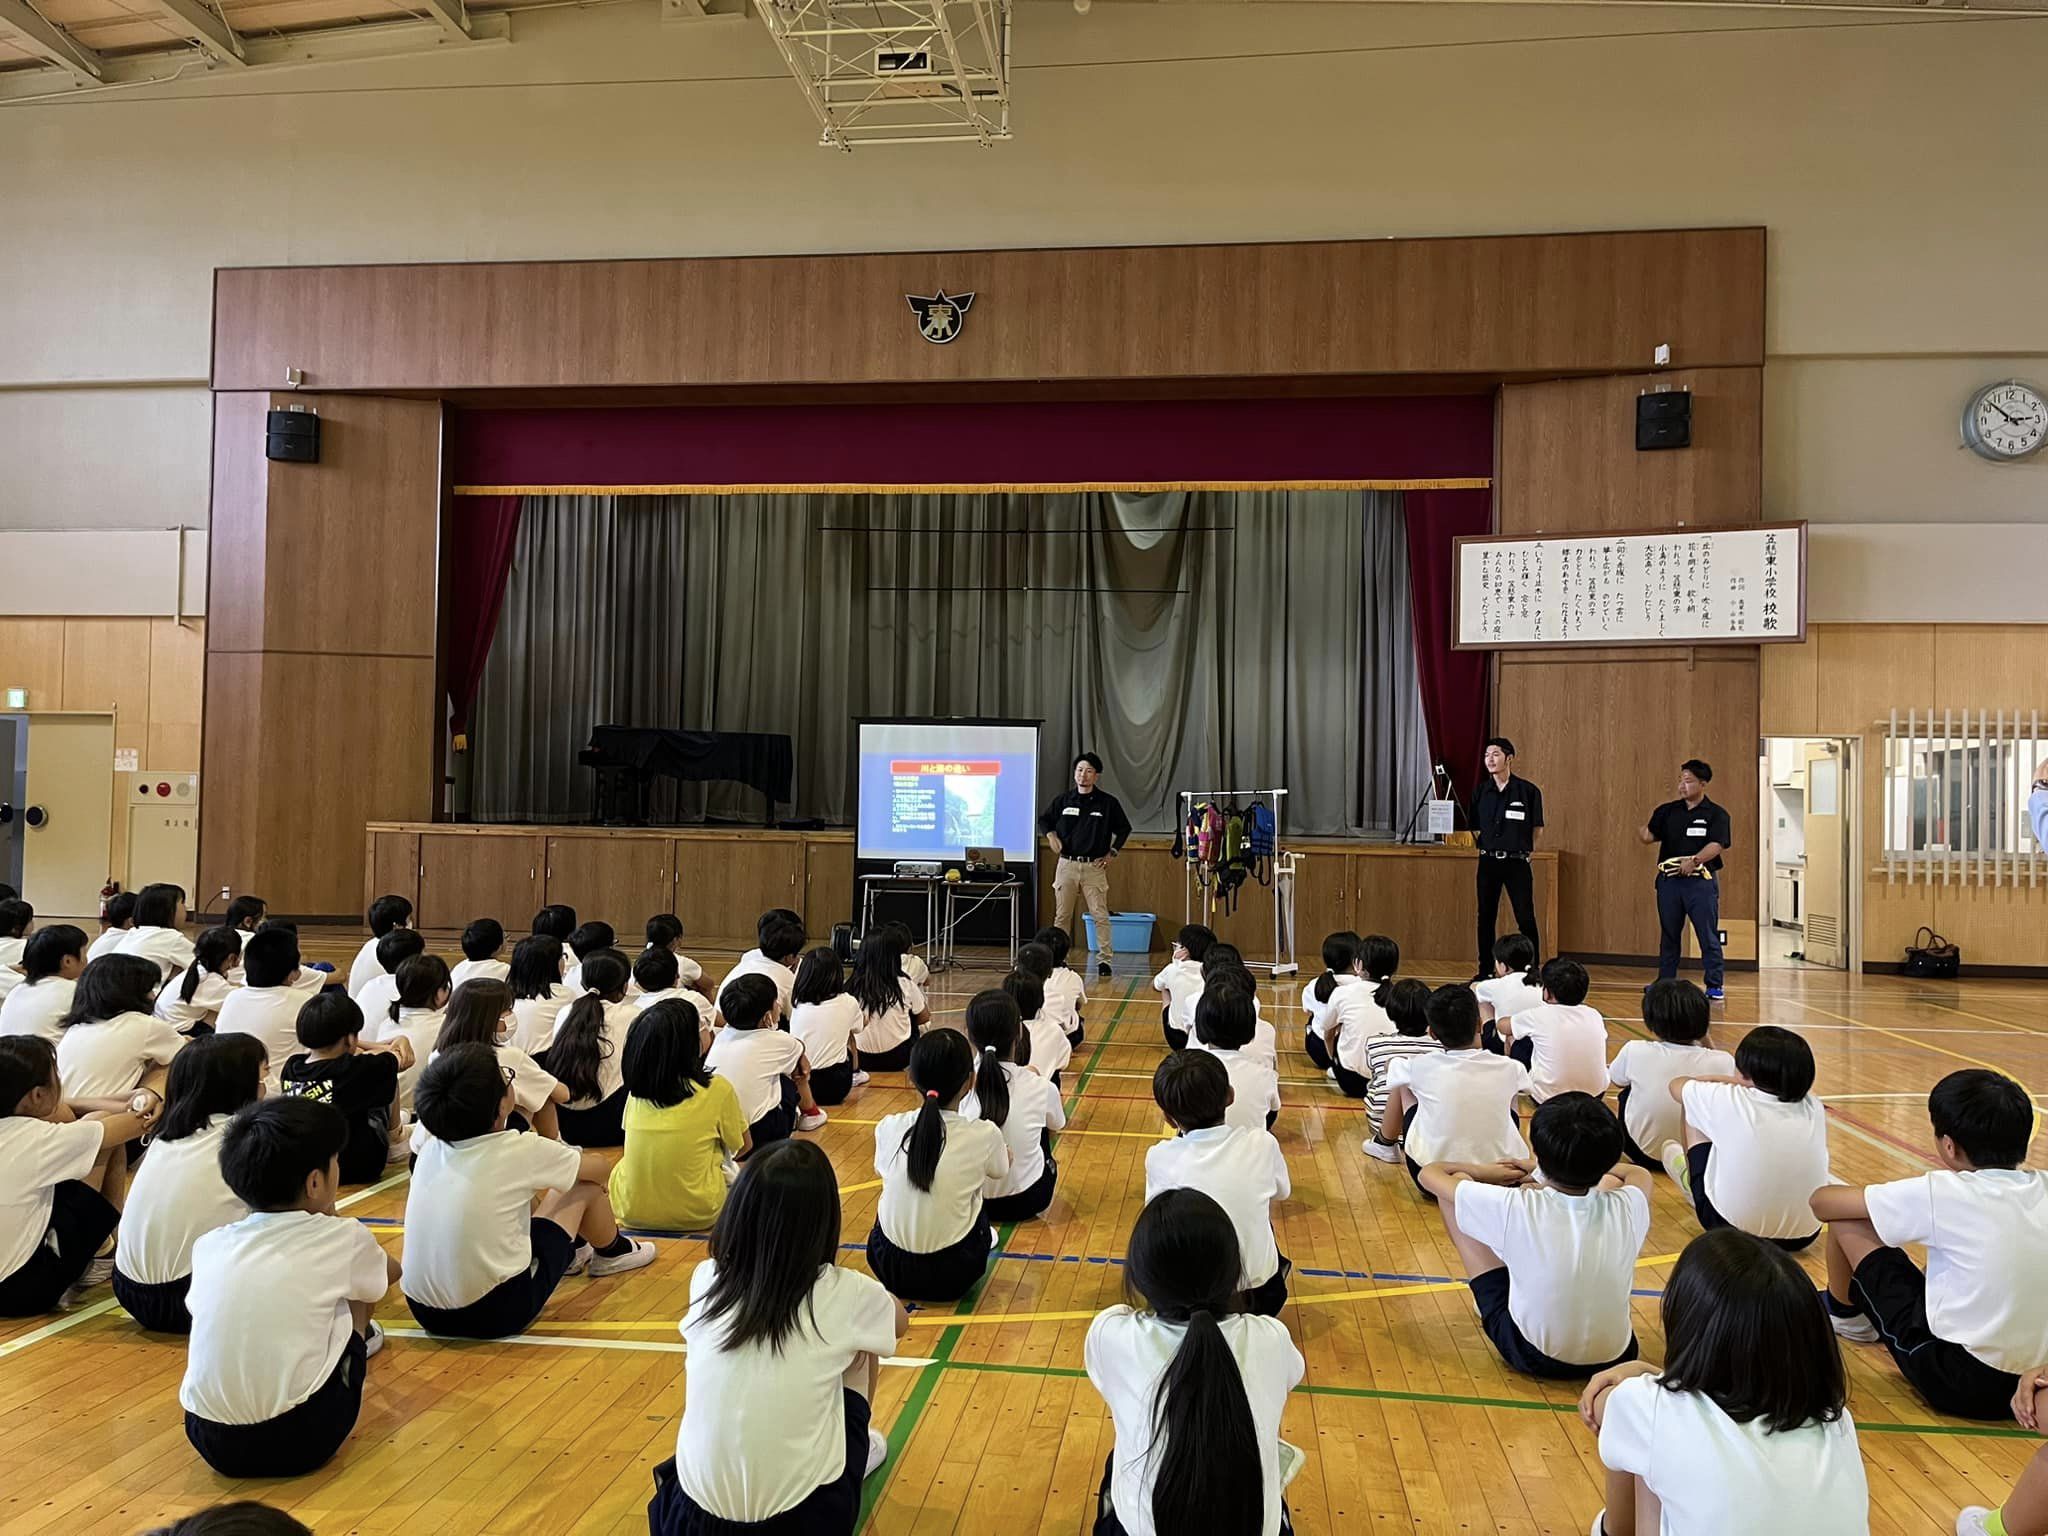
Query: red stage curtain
[[482, 531], [1454, 683]]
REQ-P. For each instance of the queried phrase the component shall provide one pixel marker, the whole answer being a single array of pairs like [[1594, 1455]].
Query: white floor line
[[1835, 1123]]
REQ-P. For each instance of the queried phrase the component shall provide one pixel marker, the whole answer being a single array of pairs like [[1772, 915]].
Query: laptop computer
[[984, 864]]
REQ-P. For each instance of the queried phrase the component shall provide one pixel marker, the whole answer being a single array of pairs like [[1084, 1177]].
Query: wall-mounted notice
[[1692, 586]]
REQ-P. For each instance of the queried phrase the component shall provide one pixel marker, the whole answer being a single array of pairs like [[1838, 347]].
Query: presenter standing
[[1085, 828], [1691, 833], [1506, 814]]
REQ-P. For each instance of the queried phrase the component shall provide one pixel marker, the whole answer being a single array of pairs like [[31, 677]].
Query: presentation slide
[[934, 790]]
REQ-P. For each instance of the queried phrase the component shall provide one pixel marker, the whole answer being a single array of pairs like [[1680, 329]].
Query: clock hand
[[2016, 421]]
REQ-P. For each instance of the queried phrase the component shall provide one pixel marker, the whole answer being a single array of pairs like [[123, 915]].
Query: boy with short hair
[[116, 922], [360, 1081], [267, 1003], [585, 942], [1756, 1144], [1551, 1263], [281, 1300], [1962, 1331], [1241, 1169], [481, 941], [1179, 983], [665, 931], [555, 922], [386, 913], [779, 939], [1458, 1105], [766, 1065], [1224, 1024], [659, 977]]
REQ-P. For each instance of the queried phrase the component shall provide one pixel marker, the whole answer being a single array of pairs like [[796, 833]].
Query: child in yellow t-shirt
[[683, 1126]]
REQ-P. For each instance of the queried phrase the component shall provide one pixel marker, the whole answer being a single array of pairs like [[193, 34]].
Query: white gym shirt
[[1571, 1261], [1768, 1158], [925, 1221], [469, 1212], [1242, 1171]]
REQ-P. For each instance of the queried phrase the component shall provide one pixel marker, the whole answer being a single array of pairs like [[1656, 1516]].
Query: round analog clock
[[2006, 421]]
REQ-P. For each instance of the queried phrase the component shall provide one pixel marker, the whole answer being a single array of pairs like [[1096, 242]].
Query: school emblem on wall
[[939, 317]]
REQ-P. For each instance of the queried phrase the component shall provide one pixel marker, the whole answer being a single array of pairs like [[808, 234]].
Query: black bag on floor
[[1937, 958]]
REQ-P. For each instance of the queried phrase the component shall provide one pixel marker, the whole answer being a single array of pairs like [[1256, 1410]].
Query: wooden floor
[[1409, 1421]]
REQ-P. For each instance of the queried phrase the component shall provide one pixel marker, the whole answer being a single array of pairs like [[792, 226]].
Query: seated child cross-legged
[[1407, 1009], [825, 1019], [1357, 1015], [1195, 1385], [584, 1056], [1047, 1049], [1677, 1013], [1963, 1331], [1179, 983], [765, 1064], [361, 1081], [481, 1259], [482, 941], [683, 1126], [1756, 1145], [1066, 990], [1340, 969], [281, 1301], [1024, 1105], [1458, 1104], [1745, 1426], [480, 1013], [1551, 1262], [1224, 1021], [1242, 1170], [779, 1373], [1561, 1041]]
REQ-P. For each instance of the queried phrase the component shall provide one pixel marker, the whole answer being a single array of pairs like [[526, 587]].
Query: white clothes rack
[[1196, 894]]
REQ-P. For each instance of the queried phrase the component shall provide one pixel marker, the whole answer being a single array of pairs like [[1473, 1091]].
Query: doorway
[[1806, 853]]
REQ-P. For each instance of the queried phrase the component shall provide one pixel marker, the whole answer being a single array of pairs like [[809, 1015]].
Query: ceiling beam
[[452, 17], [47, 43], [198, 22]]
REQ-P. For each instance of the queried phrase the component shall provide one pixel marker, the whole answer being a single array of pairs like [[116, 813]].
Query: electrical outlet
[[1721, 937], [226, 893]]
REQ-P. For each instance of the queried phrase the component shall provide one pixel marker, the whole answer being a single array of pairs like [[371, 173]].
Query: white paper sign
[[126, 760], [1442, 817]]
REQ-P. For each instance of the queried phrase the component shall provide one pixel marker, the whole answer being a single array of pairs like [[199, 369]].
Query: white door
[[1825, 891], [68, 814]]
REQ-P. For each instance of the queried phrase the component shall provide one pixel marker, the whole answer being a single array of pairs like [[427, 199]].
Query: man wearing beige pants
[[1085, 828]]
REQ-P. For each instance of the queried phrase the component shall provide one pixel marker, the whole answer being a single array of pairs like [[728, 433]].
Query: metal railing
[[1955, 789]]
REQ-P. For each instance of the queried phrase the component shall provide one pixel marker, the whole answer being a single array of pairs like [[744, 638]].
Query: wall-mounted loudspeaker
[[1664, 420], [293, 436]]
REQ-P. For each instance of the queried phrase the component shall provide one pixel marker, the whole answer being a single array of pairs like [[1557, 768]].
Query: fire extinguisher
[[107, 893]]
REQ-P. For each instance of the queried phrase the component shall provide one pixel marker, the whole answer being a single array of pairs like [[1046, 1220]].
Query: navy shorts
[[1026, 1204], [831, 1085], [945, 1275], [1891, 1289], [81, 1219], [832, 1509], [1267, 1300], [1696, 1159], [507, 1307], [297, 1440], [160, 1308], [601, 1125], [1491, 1291]]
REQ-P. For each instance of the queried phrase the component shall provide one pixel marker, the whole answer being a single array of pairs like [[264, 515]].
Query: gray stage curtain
[[1194, 640]]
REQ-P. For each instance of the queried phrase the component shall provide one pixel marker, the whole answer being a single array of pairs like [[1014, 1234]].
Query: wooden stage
[[1409, 1422]]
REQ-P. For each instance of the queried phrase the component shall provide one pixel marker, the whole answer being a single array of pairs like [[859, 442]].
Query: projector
[[917, 869]]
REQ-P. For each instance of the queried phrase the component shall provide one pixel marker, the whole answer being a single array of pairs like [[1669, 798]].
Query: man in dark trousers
[[1691, 834], [1085, 828], [1506, 814]]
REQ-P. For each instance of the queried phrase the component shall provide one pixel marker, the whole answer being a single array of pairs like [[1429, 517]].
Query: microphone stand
[[1437, 773]]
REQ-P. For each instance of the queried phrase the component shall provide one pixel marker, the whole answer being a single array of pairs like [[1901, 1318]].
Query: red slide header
[[974, 770]]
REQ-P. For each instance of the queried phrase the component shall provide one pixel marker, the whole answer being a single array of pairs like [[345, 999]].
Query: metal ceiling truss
[[898, 71]]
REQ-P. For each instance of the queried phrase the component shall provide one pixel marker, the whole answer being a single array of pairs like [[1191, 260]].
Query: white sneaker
[[639, 1256], [1674, 1162], [1974, 1521], [814, 1121], [579, 1259], [96, 1273], [373, 1339], [731, 1170], [860, 1079], [1599, 1524], [1385, 1151], [878, 1452], [1330, 1073], [1857, 1330]]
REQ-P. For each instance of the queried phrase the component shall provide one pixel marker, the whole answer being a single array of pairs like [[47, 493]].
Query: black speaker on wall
[[1664, 420], [292, 437]]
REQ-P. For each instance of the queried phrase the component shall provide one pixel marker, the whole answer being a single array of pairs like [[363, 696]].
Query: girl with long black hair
[[586, 1055], [931, 1238], [1011, 1096], [538, 995], [1340, 968], [190, 1000], [894, 1011], [1196, 1386]]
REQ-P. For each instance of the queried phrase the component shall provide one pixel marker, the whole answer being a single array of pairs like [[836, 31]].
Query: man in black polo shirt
[[1691, 834], [1085, 828], [1505, 816]]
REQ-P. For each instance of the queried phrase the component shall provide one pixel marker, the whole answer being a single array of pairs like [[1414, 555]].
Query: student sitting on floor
[[1962, 1331], [268, 1001], [159, 932], [538, 996], [1066, 990], [1407, 1009], [245, 914], [416, 1015], [2025, 1510], [665, 931], [243, 1517], [1340, 969], [1456, 1105], [1358, 1015], [281, 1301], [1756, 1144], [386, 914], [1035, 960], [117, 921], [111, 1044], [56, 1227], [1515, 984], [1745, 1426], [1223, 1027], [778, 939], [1022, 1104], [779, 1372], [480, 1013], [1196, 1386], [314, 976], [1676, 1012], [825, 1020], [1552, 1261], [381, 991], [1179, 983], [893, 1009], [51, 963], [915, 971], [1224, 965], [554, 921], [16, 918], [683, 1126], [1049, 1051], [931, 1237], [765, 1065], [179, 1194], [481, 1259], [482, 942], [586, 941], [1241, 1170], [190, 1001], [587, 1055], [360, 1082], [1561, 1041], [659, 976]]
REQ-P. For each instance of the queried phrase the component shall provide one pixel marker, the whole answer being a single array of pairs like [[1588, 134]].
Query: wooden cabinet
[[726, 880], [391, 866], [828, 885], [464, 875], [618, 878]]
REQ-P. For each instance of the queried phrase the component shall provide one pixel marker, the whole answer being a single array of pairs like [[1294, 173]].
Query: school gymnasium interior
[[535, 452]]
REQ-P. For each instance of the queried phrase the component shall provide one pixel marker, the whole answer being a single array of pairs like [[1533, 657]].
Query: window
[[1955, 792]]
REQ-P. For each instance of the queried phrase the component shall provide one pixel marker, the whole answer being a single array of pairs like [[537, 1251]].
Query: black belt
[[1496, 853]]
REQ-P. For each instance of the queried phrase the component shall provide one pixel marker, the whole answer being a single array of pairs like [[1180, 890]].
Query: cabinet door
[[828, 885], [464, 876], [391, 867], [725, 883], [618, 880]]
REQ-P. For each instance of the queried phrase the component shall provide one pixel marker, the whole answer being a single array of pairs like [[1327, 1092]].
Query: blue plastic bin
[[1131, 931]]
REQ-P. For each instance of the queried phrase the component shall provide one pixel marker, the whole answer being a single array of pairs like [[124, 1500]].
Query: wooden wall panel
[[238, 526], [1863, 670], [1568, 459], [32, 657], [1788, 693], [726, 880], [828, 884], [232, 774], [1490, 305], [464, 877], [177, 673], [621, 878], [392, 868]]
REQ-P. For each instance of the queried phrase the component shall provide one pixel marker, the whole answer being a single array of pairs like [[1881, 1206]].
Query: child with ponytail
[[1515, 986], [1195, 1386], [931, 1238], [1359, 1015], [1046, 1047], [415, 1015], [191, 999], [1018, 1101], [1340, 968], [586, 1056]]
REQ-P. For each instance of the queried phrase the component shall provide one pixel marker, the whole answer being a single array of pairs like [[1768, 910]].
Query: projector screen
[[934, 789]]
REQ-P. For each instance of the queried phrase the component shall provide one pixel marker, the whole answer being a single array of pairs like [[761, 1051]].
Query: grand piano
[[627, 759]]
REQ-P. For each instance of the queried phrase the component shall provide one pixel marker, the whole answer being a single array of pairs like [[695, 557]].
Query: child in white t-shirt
[[1551, 1261], [386, 914], [1340, 969], [192, 998], [1457, 1105], [780, 938], [931, 1237], [381, 990], [1196, 1386], [1179, 983], [1047, 1051], [1561, 1041], [51, 963], [1964, 1331], [481, 1259], [1066, 989], [538, 994], [1358, 1015], [825, 1020], [111, 1043], [589, 939], [1023, 1105], [586, 1055], [1745, 1427], [1515, 984], [658, 976], [778, 1377], [1756, 1145], [1677, 1013], [1053, 1014], [765, 1065], [894, 1009], [415, 1014], [665, 931], [1224, 965], [482, 942], [1242, 1170], [1224, 1022], [1407, 1009], [159, 932], [117, 921], [281, 1301], [480, 1013]]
